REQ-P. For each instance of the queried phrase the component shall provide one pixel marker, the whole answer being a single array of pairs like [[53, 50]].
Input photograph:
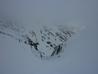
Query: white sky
[[80, 56]]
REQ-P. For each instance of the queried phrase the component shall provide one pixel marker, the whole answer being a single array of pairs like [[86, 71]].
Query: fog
[[80, 55]]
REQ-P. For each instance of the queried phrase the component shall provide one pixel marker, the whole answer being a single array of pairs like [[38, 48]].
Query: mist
[[80, 54]]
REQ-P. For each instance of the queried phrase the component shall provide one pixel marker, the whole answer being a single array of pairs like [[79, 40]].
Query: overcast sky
[[81, 54]]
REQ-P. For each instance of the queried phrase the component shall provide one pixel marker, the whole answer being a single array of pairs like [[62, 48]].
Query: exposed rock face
[[45, 43]]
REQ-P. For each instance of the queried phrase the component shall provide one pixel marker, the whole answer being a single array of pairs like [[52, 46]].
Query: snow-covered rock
[[45, 42]]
